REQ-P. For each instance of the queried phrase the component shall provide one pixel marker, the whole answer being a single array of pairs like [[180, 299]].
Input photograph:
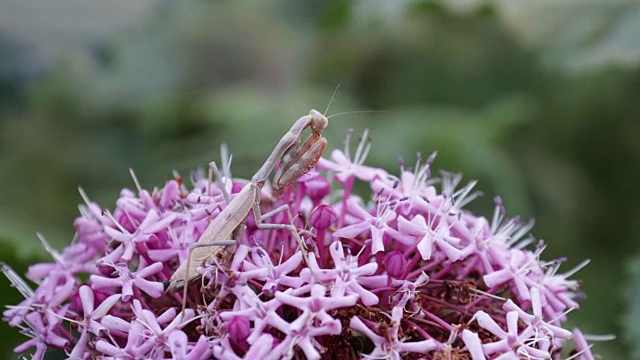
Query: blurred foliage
[[632, 294], [537, 101]]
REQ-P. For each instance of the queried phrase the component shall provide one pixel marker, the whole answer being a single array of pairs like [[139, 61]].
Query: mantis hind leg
[[290, 227], [222, 243]]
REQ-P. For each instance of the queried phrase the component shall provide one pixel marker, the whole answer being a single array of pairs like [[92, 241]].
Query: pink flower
[[182, 350], [127, 280], [388, 345], [376, 225], [514, 343], [348, 168]]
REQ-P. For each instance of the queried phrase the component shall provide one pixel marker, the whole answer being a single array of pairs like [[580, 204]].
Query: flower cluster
[[406, 273]]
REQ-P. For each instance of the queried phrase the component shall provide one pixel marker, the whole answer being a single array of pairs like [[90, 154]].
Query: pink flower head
[[403, 271]]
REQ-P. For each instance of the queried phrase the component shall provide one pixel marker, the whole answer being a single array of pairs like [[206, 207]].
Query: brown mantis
[[295, 160]]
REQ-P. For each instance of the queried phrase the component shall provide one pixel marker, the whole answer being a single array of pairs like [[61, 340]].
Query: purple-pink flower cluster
[[404, 272]]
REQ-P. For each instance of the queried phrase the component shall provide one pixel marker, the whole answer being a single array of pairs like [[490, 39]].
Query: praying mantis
[[296, 159]]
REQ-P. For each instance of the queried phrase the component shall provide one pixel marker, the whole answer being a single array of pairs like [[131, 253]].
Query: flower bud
[[239, 329], [169, 194], [395, 263], [323, 216], [316, 186]]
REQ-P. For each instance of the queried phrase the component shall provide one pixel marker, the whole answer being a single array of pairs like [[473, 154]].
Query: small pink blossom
[[375, 225]]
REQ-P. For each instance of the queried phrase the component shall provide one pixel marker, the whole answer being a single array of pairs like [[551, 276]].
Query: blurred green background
[[537, 100]]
